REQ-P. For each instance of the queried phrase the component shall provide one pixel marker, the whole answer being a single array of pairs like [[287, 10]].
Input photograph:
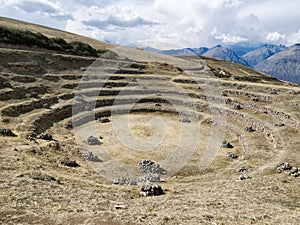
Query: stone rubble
[[148, 166], [91, 157], [91, 140]]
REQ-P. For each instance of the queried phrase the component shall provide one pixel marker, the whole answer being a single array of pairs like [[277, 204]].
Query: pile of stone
[[226, 144], [91, 157], [231, 155], [68, 162], [149, 178], [294, 171], [91, 140], [148, 166], [7, 132], [45, 136], [151, 190], [124, 180]]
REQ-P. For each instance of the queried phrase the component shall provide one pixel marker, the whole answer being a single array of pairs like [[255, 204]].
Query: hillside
[[284, 65], [81, 135], [262, 53], [220, 52]]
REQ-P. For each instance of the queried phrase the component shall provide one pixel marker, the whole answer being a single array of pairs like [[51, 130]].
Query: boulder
[[151, 190], [104, 120]]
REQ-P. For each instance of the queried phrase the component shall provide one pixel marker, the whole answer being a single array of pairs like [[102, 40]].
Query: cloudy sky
[[188, 23]]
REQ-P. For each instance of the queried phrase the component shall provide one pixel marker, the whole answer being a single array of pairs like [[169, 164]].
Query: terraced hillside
[[80, 124]]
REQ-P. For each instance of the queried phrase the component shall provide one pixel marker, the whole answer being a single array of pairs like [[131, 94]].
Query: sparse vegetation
[[29, 39]]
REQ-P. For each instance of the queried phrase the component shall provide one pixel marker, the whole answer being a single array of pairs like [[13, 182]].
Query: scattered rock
[[249, 129], [91, 140], [54, 144], [68, 162], [157, 104], [32, 95], [273, 92], [7, 132], [255, 99], [45, 136], [104, 120], [284, 166], [148, 166], [237, 107], [43, 177], [242, 169], [68, 125], [6, 84], [91, 157], [231, 155], [295, 172], [226, 144], [31, 136], [5, 120], [120, 206], [184, 120], [46, 105], [242, 177], [151, 190], [280, 124]]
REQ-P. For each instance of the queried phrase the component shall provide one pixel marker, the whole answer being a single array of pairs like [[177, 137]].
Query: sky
[[167, 24]]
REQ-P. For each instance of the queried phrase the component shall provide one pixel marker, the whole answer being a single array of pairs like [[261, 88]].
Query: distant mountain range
[[277, 60]]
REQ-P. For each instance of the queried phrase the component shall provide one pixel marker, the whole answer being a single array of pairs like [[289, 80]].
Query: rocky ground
[[74, 132]]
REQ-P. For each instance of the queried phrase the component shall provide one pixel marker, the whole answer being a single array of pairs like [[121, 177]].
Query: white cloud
[[191, 23], [275, 36], [227, 38]]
